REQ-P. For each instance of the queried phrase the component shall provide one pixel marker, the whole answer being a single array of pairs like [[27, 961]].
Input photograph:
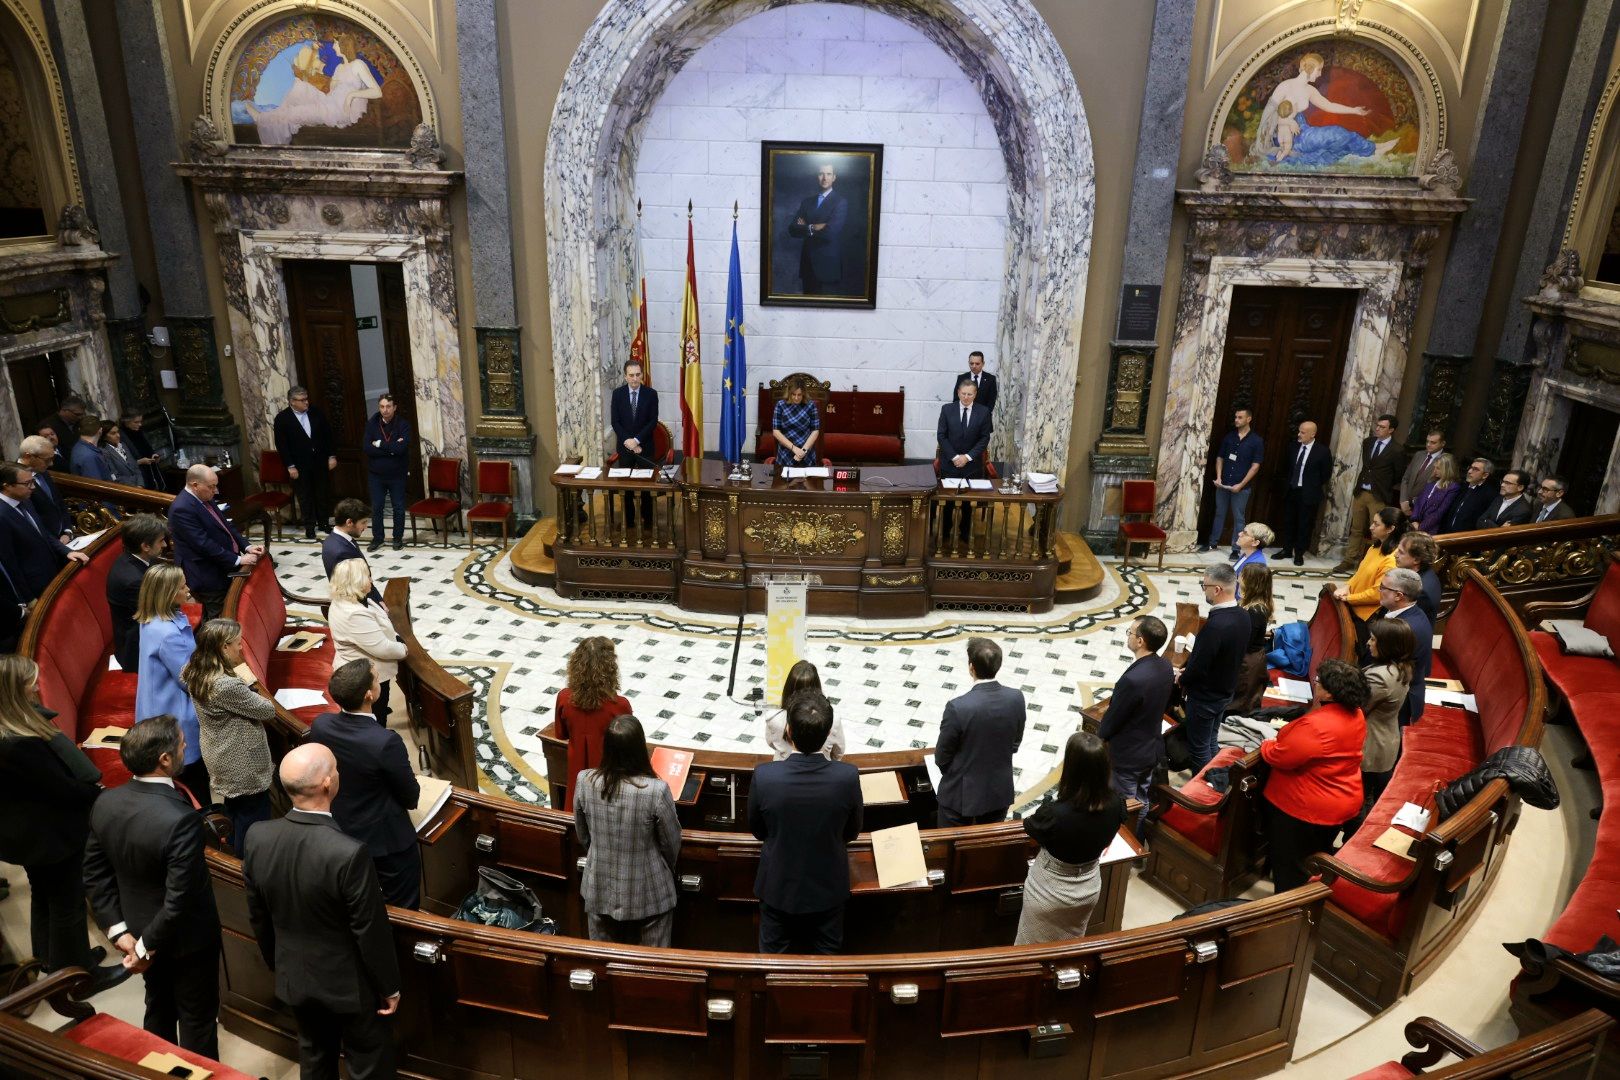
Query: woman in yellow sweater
[[1386, 530]]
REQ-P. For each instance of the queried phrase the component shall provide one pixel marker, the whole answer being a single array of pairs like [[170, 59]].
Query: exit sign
[[366, 322]]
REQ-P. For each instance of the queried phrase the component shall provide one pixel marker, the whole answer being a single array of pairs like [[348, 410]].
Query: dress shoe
[[399, 545], [1282, 553], [375, 545], [98, 954], [1299, 561], [107, 976], [1343, 568], [1204, 548]]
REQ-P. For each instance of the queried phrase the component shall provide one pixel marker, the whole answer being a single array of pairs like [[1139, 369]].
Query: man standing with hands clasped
[[634, 416], [388, 447], [1241, 453], [304, 441]]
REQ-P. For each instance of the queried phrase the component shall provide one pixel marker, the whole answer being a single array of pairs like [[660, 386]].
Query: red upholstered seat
[[1572, 675], [1141, 530], [857, 447], [434, 507], [1591, 911], [1389, 1070], [126, 1042], [1202, 829], [263, 615]]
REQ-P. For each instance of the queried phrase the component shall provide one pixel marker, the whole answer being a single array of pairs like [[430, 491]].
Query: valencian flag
[[638, 297], [691, 366], [734, 388]]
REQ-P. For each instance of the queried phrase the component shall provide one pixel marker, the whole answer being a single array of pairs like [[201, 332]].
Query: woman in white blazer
[[361, 629]]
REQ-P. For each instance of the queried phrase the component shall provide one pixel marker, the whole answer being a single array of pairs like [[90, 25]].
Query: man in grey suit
[[977, 739], [1553, 507], [318, 914]]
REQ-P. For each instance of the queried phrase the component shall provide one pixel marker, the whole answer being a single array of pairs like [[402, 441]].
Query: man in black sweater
[[145, 536], [1211, 672], [1135, 715]]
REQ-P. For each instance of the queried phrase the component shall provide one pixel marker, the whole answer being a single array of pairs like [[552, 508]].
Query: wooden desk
[[711, 544]]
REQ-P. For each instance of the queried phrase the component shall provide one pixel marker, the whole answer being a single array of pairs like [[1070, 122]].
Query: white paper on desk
[[433, 793], [1293, 690], [113, 664], [568, 470], [1118, 851], [294, 697], [1412, 816], [817, 472], [641, 474], [1453, 698], [792, 472], [898, 855], [951, 483], [79, 543], [1041, 477], [618, 474], [980, 485], [589, 472], [934, 775]]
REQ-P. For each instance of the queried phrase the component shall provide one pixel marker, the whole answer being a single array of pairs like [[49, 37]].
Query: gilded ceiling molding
[[217, 77], [67, 170], [195, 23], [1431, 99]]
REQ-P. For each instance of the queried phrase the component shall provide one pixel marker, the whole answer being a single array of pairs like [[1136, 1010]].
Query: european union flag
[[734, 386]]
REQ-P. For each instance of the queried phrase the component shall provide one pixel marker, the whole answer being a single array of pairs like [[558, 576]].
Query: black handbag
[[501, 900]]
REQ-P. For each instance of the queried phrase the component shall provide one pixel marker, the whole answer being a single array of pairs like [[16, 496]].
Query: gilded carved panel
[[797, 532]]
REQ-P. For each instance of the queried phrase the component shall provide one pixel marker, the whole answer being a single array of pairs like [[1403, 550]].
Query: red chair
[[496, 478], [444, 497], [273, 478], [1139, 498], [663, 452]]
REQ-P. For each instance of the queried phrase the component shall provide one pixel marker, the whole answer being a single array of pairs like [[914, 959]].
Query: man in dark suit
[[144, 536], [343, 542], [1210, 674], [1420, 469], [634, 416], [963, 436], [388, 463], [304, 441], [820, 223], [13, 610], [38, 453], [978, 736], [1553, 507], [1309, 468], [982, 380], [806, 809], [1376, 488], [379, 788], [1398, 593], [1512, 506], [1477, 495], [149, 887], [31, 553], [64, 422], [1134, 721], [318, 916], [207, 548]]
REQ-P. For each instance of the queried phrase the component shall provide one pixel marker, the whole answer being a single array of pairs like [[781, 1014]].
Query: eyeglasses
[[1388, 588]]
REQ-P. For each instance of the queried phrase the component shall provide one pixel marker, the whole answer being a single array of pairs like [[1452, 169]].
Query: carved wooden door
[[1284, 358], [320, 296], [396, 328], [38, 384]]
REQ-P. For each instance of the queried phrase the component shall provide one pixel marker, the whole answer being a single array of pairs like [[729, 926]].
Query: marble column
[[1122, 451], [503, 424], [204, 419], [1474, 238]]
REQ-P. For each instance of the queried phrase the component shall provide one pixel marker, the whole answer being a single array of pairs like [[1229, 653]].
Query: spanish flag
[[691, 366], [638, 300]]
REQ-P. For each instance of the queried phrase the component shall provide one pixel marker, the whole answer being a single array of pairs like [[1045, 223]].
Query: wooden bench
[[1209, 844], [1571, 1050], [856, 425], [1392, 920], [440, 705]]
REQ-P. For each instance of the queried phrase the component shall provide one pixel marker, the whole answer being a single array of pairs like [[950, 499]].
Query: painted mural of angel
[[1286, 135], [317, 99]]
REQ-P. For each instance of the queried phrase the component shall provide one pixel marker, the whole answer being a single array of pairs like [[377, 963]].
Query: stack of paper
[[898, 856], [951, 483], [618, 474], [104, 738], [792, 472], [980, 485], [568, 470], [294, 697], [432, 794], [79, 543], [641, 474], [1119, 849], [1455, 699], [1042, 483], [1293, 690], [818, 471], [881, 788], [589, 472]]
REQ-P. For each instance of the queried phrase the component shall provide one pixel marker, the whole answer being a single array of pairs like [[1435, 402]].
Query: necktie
[[1304, 451], [633, 398], [28, 516], [1378, 448], [1545, 510], [212, 509], [182, 789], [822, 198], [964, 416], [975, 380]]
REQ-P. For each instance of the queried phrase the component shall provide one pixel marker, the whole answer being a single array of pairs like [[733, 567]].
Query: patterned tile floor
[[889, 681]]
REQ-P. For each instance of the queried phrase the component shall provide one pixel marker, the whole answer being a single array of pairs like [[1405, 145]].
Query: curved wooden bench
[[1392, 920], [1569, 1050]]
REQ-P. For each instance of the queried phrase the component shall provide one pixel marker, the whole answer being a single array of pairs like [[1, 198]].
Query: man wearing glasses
[[1398, 594], [304, 441], [1553, 506], [1211, 672], [30, 554], [1513, 507]]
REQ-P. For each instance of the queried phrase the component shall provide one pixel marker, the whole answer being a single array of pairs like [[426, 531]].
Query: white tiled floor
[[889, 683]]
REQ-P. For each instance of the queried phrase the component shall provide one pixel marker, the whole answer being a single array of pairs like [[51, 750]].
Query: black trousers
[[182, 999], [314, 488], [213, 603], [379, 708], [365, 1038], [949, 818], [394, 488], [57, 927], [813, 932], [1298, 521], [400, 876], [245, 811], [1292, 842]]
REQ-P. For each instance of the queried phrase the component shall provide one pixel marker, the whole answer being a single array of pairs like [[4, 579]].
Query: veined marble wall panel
[[942, 260]]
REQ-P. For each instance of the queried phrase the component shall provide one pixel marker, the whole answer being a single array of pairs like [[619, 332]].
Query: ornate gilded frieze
[[500, 378], [1521, 564], [714, 529], [798, 532], [34, 311], [702, 574], [894, 534], [890, 581]]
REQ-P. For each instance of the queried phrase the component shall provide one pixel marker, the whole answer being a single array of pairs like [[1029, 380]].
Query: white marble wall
[[833, 73]]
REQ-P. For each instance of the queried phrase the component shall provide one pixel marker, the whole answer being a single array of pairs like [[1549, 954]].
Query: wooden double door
[[326, 347], [1284, 360]]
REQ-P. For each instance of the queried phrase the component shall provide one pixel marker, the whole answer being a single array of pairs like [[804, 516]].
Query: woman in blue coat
[[167, 643]]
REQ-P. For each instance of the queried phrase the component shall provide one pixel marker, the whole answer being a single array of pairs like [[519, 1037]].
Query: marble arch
[[635, 47]]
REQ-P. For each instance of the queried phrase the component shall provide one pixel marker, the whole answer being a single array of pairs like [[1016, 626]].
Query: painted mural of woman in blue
[[1289, 140]]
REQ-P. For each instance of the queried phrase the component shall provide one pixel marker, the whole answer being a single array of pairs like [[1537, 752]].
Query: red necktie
[[182, 789], [212, 509]]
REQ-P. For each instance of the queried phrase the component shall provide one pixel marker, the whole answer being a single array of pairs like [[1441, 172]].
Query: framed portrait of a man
[[818, 228]]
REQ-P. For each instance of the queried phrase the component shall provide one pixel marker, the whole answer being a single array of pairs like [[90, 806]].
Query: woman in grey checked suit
[[625, 817]]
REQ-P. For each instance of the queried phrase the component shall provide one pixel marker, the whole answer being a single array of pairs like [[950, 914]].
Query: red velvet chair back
[[1603, 615], [663, 445], [75, 640], [272, 470], [1485, 658], [495, 478], [262, 611], [444, 474], [1138, 497]]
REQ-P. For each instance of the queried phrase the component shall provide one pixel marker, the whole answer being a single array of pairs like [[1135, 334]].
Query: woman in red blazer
[[584, 708], [1315, 781]]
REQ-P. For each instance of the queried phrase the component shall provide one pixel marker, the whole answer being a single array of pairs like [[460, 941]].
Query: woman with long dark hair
[[1073, 830], [801, 676], [1386, 529], [624, 815], [1391, 644], [1255, 598], [230, 722], [586, 704]]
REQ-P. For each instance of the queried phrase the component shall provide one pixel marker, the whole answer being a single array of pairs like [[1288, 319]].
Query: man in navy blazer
[[1399, 592], [963, 436], [388, 464], [634, 416], [1477, 495], [207, 547], [144, 537], [379, 789], [304, 441], [1133, 725], [32, 555], [806, 809], [820, 222], [978, 736], [982, 380], [86, 459], [39, 453], [343, 542]]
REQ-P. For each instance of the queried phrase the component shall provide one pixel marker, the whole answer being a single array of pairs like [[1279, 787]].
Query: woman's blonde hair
[[351, 580], [18, 717], [1262, 534], [208, 661], [160, 593], [1254, 582], [1448, 471], [593, 673], [1311, 59]]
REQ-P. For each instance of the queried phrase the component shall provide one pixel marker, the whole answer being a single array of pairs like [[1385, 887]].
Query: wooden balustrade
[[1554, 560]]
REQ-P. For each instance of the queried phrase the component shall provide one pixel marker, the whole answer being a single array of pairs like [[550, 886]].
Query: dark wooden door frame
[[326, 352], [396, 328]]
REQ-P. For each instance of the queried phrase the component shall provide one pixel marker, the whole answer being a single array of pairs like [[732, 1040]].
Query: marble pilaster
[[1577, 359], [635, 47]]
